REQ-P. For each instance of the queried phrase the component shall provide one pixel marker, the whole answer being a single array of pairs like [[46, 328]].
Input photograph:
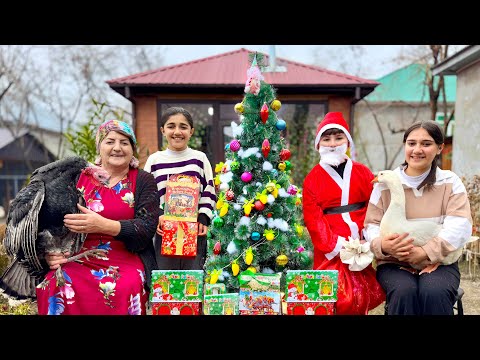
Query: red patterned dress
[[110, 284]]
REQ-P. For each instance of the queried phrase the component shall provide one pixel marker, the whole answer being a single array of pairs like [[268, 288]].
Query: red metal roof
[[230, 68]]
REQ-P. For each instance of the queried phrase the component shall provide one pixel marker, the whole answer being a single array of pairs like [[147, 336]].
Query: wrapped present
[[259, 294], [311, 285], [176, 308], [177, 286], [181, 198], [179, 238], [215, 289], [311, 292], [180, 227], [223, 304], [311, 308]]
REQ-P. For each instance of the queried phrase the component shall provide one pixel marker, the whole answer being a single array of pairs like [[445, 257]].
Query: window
[[440, 119]]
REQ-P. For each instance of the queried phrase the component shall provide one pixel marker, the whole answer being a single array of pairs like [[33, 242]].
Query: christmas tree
[[258, 222]]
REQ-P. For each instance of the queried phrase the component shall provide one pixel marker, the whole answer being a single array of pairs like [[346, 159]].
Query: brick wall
[[146, 128]]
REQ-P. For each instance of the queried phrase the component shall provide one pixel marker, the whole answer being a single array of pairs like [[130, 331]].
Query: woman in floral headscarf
[[120, 218]]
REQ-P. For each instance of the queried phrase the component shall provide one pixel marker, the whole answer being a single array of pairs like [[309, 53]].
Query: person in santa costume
[[335, 199]]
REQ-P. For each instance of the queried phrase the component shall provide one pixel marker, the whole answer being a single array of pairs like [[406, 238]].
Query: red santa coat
[[358, 291]]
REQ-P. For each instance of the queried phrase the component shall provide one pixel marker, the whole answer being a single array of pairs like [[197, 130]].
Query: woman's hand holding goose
[[397, 245]]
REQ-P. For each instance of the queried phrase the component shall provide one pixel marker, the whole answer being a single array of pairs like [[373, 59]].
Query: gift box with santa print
[[174, 288], [180, 227], [311, 292]]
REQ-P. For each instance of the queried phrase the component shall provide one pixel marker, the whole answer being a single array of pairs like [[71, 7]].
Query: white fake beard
[[333, 156]]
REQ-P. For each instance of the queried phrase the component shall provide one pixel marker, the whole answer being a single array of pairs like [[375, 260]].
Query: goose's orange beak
[[374, 180]]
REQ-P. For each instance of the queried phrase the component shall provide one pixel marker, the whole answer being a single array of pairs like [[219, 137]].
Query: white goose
[[395, 221]]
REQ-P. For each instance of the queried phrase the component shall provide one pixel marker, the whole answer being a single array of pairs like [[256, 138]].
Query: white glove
[[357, 255]]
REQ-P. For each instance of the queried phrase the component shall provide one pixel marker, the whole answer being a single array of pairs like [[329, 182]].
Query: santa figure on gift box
[[157, 292], [292, 292]]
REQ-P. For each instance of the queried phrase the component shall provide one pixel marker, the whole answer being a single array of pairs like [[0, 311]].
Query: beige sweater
[[446, 203]]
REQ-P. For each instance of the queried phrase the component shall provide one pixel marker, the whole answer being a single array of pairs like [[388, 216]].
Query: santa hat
[[334, 120]]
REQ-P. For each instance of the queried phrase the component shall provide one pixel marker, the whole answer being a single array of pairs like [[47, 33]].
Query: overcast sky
[[378, 58]]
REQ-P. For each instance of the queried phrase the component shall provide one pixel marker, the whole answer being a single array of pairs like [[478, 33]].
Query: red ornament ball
[[259, 206], [229, 195], [217, 248], [285, 154]]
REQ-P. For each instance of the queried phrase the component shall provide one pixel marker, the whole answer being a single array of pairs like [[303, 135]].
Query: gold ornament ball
[[282, 260], [252, 269], [239, 108], [276, 105]]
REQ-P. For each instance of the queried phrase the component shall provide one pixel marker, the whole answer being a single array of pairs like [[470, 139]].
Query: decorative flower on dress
[[121, 185], [99, 274], [142, 275], [129, 199], [107, 289], [55, 305], [135, 307], [95, 205], [68, 292]]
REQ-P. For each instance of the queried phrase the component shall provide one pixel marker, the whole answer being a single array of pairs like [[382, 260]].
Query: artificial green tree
[[258, 223]]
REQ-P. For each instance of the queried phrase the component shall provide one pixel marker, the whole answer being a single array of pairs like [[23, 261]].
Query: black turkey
[[35, 223]]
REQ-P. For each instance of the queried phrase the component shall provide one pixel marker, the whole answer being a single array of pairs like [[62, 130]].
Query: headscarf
[[120, 127]]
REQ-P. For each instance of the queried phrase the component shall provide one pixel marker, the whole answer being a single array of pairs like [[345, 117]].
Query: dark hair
[[174, 110], [435, 131], [332, 131]]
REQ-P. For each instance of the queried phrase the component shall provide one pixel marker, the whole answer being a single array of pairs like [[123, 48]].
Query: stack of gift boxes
[[180, 227], [311, 292]]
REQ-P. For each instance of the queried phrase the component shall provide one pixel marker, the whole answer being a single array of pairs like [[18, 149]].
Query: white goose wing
[[422, 231]]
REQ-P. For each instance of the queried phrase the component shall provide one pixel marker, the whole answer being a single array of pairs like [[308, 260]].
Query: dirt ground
[[470, 285]]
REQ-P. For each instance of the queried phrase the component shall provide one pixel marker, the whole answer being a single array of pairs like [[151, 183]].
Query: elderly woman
[[120, 218]]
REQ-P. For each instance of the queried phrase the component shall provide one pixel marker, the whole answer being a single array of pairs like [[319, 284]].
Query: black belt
[[344, 208]]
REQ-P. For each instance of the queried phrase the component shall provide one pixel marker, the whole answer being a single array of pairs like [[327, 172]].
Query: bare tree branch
[[59, 82]]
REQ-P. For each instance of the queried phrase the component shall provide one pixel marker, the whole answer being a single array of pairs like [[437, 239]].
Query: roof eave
[[357, 90], [453, 64]]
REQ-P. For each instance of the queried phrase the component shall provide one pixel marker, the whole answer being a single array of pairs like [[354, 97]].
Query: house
[[20, 154], [381, 118], [465, 64], [210, 87]]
